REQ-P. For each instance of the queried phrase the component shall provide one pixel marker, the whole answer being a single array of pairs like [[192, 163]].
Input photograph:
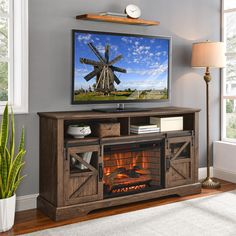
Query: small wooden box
[[168, 123], [103, 130]]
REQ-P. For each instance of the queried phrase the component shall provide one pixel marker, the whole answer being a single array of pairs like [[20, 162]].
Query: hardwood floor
[[34, 220]]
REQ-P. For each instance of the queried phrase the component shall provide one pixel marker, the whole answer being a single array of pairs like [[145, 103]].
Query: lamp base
[[210, 183]]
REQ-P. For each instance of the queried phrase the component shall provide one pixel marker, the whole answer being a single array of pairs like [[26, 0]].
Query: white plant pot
[[7, 213]]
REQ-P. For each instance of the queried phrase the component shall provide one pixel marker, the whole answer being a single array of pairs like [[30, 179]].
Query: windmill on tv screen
[[104, 70]]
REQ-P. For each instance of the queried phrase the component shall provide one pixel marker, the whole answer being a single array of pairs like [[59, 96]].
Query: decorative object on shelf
[[107, 130], [75, 164], [168, 123], [133, 11], [10, 170], [79, 131], [209, 55], [115, 14], [87, 158]]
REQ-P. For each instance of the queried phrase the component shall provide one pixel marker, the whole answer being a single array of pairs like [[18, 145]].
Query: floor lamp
[[208, 55]]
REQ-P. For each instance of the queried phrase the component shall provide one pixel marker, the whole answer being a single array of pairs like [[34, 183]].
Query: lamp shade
[[208, 54]]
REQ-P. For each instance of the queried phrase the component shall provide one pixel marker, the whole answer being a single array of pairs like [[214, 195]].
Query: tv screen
[[111, 67]]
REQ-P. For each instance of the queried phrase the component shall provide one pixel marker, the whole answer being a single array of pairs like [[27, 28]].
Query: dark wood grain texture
[[180, 169], [65, 194], [48, 160], [196, 144], [76, 115], [82, 187], [71, 211]]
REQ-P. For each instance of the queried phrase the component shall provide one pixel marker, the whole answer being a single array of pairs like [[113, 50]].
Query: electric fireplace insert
[[133, 168]]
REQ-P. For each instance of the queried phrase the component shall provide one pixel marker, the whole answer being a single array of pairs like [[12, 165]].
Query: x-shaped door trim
[[174, 156], [90, 167]]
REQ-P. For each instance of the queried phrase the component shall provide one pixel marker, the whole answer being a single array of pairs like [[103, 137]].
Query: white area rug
[[207, 216]]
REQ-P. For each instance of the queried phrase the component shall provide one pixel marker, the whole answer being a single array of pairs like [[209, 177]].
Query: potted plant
[[11, 163]]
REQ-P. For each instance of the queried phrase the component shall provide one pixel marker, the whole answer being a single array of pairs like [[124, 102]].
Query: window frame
[[224, 97], [18, 57]]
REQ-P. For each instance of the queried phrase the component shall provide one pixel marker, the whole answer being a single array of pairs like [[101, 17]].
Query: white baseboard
[[30, 201], [202, 172], [26, 202], [224, 161], [225, 175]]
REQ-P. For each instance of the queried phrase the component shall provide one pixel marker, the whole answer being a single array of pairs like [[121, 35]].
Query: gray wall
[[50, 24]]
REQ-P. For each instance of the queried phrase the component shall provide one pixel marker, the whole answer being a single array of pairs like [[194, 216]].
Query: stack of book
[[144, 129]]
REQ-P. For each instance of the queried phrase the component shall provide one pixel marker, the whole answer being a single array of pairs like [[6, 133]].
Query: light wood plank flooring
[[34, 220]]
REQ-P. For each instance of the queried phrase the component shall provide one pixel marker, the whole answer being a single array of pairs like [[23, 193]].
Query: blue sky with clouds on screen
[[144, 58]]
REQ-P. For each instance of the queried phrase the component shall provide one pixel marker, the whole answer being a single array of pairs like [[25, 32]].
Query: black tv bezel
[[121, 101]]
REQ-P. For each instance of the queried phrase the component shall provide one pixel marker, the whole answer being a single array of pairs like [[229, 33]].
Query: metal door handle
[[100, 172], [167, 163]]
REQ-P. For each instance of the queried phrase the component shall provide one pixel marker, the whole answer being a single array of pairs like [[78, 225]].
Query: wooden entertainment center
[[122, 170]]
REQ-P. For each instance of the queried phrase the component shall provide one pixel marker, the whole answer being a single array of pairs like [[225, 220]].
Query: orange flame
[[130, 188]]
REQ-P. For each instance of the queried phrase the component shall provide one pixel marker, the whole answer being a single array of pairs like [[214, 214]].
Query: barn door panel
[[179, 161], [82, 182]]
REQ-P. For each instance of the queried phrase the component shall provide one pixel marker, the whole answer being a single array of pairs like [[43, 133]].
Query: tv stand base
[[79, 210]]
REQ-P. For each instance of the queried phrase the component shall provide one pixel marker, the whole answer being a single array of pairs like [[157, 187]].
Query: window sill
[[228, 141], [16, 110]]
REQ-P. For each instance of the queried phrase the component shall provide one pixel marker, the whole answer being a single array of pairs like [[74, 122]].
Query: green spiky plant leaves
[[11, 161]]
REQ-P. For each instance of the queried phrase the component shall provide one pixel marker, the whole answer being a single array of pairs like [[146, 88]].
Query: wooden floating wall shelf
[[115, 19]]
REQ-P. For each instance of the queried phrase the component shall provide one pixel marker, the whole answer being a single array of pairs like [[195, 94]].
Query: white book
[[145, 132], [143, 126], [146, 129]]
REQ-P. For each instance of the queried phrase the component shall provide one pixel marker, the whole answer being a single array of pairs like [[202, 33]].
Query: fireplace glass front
[[133, 168]]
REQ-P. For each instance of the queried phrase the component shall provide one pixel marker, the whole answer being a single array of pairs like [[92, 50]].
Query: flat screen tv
[[120, 68]]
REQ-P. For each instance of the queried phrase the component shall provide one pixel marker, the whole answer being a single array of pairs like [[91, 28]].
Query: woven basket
[[107, 130]]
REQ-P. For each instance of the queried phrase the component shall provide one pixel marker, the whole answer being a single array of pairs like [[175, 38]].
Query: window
[[14, 54], [229, 74]]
